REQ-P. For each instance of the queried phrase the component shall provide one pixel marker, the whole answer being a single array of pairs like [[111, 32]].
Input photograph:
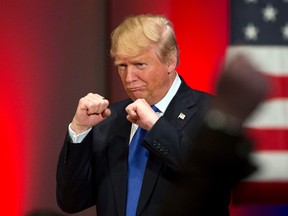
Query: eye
[[141, 66], [122, 67]]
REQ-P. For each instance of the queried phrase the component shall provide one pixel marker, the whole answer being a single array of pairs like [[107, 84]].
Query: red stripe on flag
[[268, 139], [279, 86], [260, 193]]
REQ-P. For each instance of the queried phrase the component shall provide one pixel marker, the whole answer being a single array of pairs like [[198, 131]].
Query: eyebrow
[[118, 62], [133, 61]]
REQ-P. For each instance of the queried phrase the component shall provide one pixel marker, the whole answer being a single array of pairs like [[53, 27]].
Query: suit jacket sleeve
[[82, 166], [165, 141], [75, 172]]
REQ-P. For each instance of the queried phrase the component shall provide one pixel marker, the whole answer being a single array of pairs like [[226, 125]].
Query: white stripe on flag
[[269, 59], [272, 166], [270, 114]]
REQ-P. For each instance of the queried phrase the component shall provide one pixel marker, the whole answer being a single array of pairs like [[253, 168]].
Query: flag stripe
[[279, 86], [265, 139], [272, 166], [260, 192], [270, 114], [269, 59]]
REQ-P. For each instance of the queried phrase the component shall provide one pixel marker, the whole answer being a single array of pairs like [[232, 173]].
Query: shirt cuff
[[77, 138]]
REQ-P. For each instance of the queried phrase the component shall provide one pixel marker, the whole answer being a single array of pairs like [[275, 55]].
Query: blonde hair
[[137, 34]]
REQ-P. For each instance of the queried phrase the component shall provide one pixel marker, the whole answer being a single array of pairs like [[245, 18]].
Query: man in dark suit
[[94, 164]]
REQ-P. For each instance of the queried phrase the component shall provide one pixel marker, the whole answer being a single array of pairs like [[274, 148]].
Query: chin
[[135, 94]]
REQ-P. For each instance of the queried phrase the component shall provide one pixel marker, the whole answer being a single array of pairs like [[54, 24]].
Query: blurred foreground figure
[[219, 157]]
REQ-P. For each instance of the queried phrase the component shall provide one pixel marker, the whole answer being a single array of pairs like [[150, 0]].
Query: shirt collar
[[163, 104]]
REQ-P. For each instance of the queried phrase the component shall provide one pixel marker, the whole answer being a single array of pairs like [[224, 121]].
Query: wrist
[[78, 129]]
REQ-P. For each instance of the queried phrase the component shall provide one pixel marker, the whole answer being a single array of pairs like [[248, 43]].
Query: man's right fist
[[92, 109]]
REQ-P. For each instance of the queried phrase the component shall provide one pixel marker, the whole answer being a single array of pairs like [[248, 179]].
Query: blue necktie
[[136, 167]]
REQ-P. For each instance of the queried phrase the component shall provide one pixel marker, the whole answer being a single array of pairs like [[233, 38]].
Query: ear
[[171, 64]]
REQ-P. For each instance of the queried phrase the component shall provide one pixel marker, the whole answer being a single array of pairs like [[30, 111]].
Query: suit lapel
[[152, 171], [182, 107], [179, 112]]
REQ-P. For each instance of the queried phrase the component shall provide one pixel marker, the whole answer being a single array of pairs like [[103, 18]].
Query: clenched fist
[[92, 109], [141, 113]]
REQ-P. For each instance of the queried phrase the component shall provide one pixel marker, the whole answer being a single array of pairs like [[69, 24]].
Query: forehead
[[145, 56]]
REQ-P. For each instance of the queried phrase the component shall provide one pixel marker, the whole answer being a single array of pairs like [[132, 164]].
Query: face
[[145, 76]]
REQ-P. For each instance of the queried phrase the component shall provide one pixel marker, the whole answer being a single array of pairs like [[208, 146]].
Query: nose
[[130, 74]]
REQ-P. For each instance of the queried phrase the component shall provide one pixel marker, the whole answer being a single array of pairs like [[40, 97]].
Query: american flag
[[259, 28]]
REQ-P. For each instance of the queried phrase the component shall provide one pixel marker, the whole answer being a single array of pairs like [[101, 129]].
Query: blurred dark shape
[[220, 156]]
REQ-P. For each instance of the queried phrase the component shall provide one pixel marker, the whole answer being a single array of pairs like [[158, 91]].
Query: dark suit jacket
[[95, 171]]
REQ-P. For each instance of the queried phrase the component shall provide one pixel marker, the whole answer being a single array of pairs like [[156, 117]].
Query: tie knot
[[155, 108]]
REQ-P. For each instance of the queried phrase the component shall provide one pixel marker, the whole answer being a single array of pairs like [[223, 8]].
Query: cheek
[[156, 82], [155, 78], [122, 76]]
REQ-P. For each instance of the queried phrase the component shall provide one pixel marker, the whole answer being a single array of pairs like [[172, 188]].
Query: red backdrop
[[46, 50], [54, 52]]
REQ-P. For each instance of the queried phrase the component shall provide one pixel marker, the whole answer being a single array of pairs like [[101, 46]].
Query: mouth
[[133, 89]]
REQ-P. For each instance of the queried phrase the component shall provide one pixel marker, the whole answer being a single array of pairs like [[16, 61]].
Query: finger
[[131, 119], [102, 106], [94, 96], [106, 113], [131, 110], [97, 98], [93, 104]]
